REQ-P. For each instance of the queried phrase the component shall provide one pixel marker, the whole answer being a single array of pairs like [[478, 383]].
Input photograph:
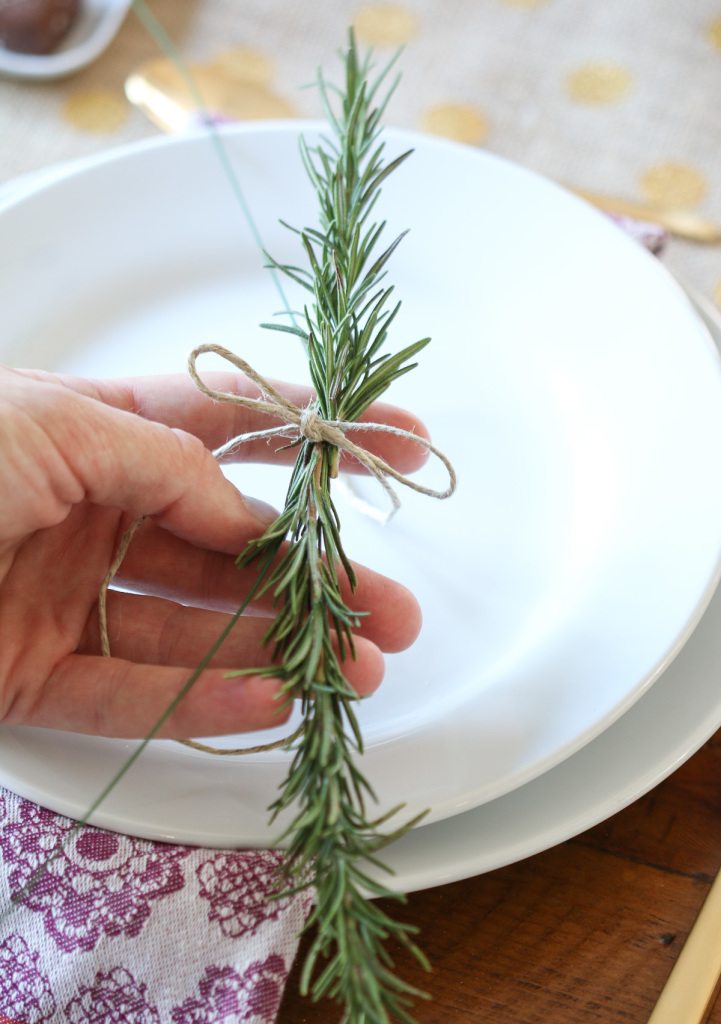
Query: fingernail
[[260, 510]]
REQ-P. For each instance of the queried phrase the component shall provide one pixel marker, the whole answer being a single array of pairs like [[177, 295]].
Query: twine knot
[[307, 424], [311, 425]]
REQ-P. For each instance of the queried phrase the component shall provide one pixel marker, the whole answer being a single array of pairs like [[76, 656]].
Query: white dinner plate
[[569, 379], [664, 728], [95, 27]]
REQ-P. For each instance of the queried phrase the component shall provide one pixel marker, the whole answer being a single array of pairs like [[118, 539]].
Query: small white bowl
[[96, 26]]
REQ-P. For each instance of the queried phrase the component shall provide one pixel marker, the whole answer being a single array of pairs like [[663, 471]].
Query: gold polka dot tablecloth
[[618, 97]]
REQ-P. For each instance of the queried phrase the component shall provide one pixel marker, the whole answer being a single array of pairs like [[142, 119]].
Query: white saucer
[[96, 26]]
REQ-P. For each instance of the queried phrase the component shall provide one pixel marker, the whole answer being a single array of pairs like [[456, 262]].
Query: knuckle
[[189, 446], [194, 459]]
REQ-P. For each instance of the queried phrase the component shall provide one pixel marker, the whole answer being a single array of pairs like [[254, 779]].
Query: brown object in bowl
[[36, 26]]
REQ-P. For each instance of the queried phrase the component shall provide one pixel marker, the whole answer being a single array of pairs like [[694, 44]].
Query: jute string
[[298, 423]]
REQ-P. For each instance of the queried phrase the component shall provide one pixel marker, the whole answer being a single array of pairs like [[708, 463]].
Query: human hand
[[81, 460]]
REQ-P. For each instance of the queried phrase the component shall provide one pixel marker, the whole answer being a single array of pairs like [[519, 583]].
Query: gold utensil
[[682, 223], [158, 89], [692, 982]]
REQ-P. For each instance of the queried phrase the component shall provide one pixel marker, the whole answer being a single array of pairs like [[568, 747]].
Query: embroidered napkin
[[120, 930]]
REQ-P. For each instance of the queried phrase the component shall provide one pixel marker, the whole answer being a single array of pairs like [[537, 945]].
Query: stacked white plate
[[569, 653]]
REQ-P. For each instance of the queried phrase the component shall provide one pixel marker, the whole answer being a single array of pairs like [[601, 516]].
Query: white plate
[[95, 27], [664, 728], [569, 378]]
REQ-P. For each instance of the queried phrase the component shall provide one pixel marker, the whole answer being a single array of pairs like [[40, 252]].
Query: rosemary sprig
[[332, 842]]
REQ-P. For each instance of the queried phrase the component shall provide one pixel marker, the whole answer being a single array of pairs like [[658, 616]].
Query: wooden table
[[585, 933]]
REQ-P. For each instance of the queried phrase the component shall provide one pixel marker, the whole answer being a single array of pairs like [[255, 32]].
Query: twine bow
[[306, 423]]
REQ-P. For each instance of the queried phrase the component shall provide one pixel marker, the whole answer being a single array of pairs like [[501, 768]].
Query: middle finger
[[160, 564], [149, 631]]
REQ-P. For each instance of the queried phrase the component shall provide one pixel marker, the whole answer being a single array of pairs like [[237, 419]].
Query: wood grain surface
[[585, 933]]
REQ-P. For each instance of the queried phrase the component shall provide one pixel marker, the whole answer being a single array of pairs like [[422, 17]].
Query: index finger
[[174, 400]]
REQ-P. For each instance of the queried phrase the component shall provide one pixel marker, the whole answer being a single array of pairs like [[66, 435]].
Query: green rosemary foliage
[[332, 841]]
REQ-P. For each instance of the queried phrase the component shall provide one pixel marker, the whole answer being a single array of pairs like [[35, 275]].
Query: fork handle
[[691, 984]]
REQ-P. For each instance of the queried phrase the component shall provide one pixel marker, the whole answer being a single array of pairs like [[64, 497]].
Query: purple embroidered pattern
[[99, 884], [237, 886], [227, 997], [25, 993], [113, 998]]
